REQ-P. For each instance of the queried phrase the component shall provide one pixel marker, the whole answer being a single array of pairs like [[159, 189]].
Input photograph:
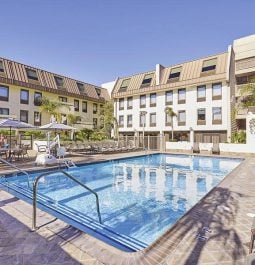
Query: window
[[38, 99], [129, 121], [216, 115], [81, 87], [62, 99], [142, 119], [216, 91], [182, 96], [130, 102], [4, 111], [121, 121], [31, 74], [152, 119], [121, 103], [84, 106], [201, 93], [209, 65], [201, 117], [98, 90], [95, 123], [76, 105], [181, 117], [94, 108], [174, 74], [147, 80], [4, 93], [24, 96], [1, 67], [59, 81], [124, 85], [153, 98], [142, 101], [169, 97], [37, 118], [64, 119], [24, 116]]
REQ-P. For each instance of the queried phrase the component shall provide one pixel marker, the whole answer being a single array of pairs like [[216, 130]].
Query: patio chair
[[215, 149], [195, 148]]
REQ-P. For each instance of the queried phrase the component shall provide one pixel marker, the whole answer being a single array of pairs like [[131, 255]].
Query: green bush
[[239, 137]]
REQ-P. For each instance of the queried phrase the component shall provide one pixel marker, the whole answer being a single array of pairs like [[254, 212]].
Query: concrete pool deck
[[224, 211]]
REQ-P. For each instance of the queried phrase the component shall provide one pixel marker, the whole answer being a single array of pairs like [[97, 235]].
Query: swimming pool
[[140, 197]]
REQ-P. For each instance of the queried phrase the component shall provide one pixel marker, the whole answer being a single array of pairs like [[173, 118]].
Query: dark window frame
[[217, 97], [26, 112], [200, 99], [121, 125], [169, 102], [1, 111], [95, 108], [57, 79], [37, 123], [217, 121], [62, 99], [24, 101], [147, 81], [201, 121], [5, 98], [142, 105], [121, 100], [129, 99], [181, 101], [2, 67], [153, 124], [37, 99], [85, 110], [153, 104], [31, 77], [124, 88], [76, 107], [130, 125], [181, 123]]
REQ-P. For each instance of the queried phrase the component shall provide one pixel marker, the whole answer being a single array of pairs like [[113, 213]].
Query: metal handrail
[[20, 170], [35, 185]]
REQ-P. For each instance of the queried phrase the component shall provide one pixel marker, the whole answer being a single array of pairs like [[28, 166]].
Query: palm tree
[[107, 118], [169, 111], [248, 94], [73, 119], [51, 107]]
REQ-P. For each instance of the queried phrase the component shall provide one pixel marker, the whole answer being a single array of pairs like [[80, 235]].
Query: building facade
[[22, 88], [202, 93]]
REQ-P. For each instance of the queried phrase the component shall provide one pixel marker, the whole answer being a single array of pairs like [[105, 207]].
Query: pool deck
[[224, 211]]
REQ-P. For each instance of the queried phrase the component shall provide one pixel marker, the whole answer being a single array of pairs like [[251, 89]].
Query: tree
[[51, 107], [73, 119], [107, 118], [248, 94], [169, 111]]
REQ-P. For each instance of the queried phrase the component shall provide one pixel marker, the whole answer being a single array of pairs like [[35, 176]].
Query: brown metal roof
[[190, 75], [15, 72]]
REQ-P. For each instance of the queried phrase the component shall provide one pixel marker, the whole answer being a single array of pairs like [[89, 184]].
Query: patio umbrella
[[14, 124], [56, 126]]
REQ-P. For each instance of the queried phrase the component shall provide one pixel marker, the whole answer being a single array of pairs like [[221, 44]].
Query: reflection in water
[[139, 197]]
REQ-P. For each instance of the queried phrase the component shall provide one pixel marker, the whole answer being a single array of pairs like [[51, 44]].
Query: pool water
[[140, 198]]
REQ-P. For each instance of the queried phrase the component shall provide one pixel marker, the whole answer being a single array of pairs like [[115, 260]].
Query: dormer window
[[31, 74], [1, 67], [209, 65], [81, 88], [124, 85], [147, 80], [175, 74], [98, 90], [59, 81]]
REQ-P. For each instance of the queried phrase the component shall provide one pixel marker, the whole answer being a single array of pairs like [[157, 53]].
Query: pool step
[[79, 220]]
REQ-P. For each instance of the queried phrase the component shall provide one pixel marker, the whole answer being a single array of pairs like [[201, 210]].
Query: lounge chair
[[215, 148], [195, 148]]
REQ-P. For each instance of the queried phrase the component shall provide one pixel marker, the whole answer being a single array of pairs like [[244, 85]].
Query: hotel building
[[22, 88], [203, 93]]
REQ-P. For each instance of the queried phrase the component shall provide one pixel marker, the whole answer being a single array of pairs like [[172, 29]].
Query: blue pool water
[[140, 198]]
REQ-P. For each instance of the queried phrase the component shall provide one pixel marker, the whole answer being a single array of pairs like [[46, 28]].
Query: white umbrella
[[56, 126], [15, 124]]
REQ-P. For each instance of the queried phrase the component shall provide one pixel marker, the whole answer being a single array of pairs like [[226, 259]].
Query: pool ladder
[[17, 168], [35, 186]]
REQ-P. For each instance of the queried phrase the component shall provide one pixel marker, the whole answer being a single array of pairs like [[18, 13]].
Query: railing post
[[34, 206]]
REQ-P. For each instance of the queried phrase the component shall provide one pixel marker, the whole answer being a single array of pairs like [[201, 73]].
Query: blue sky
[[97, 41]]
